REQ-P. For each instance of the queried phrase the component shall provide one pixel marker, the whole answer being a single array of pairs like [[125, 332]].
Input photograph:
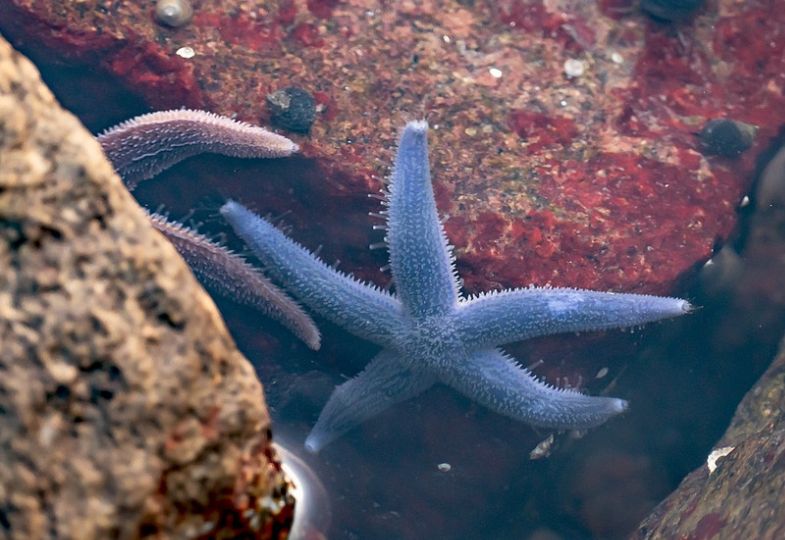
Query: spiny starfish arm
[[514, 315], [360, 308], [383, 383], [143, 146], [230, 275], [496, 381], [421, 261]]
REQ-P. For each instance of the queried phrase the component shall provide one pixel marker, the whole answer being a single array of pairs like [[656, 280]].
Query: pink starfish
[[142, 147]]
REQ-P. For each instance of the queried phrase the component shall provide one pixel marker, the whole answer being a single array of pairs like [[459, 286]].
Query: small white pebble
[[543, 448], [745, 201], [444, 467], [574, 68], [715, 455], [496, 73], [185, 52], [616, 58]]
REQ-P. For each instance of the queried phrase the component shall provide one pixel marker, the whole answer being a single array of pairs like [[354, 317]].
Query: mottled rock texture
[[588, 177], [743, 497], [125, 409]]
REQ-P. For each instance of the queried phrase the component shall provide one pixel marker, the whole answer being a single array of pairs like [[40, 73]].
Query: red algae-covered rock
[[585, 173], [127, 411]]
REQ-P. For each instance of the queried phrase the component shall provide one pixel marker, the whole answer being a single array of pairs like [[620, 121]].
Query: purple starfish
[[146, 145], [431, 334], [142, 147]]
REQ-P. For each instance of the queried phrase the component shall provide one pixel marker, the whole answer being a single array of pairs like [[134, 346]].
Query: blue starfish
[[429, 333]]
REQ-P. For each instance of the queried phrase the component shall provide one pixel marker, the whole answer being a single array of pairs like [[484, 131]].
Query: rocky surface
[[742, 496], [587, 173], [126, 409], [564, 149]]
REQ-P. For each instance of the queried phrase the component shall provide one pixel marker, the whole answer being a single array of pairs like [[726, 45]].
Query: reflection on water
[[312, 512]]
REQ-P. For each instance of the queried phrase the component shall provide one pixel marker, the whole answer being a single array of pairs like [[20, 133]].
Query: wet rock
[[292, 108], [737, 493], [594, 181], [770, 192], [745, 275], [725, 137], [126, 409], [671, 10]]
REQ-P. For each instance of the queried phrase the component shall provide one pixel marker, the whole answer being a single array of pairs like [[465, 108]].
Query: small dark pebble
[[671, 10], [292, 108], [729, 138]]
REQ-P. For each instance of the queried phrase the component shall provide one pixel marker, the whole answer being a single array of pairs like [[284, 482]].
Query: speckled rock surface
[[126, 410], [588, 175], [742, 497]]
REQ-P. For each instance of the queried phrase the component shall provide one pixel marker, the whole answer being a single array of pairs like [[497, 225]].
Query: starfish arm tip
[[229, 206], [652, 308], [419, 126], [618, 405], [314, 443]]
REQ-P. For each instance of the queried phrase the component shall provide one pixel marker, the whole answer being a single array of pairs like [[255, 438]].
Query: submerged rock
[[126, 409], [738, 492], [724, 137], [593, 181]]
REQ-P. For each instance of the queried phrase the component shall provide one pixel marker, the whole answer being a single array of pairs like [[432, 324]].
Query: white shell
[[174, 13]]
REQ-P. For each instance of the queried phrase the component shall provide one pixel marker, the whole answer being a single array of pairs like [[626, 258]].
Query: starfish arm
[[420, 258], [143, 146], [383, 383], [496, 381], [514, 315], [228, 274], [362, 309]]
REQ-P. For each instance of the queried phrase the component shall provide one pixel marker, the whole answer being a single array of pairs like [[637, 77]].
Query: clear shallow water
[[384, 480]]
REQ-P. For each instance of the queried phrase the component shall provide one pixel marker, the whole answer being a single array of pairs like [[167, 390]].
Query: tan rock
[[125, 409]]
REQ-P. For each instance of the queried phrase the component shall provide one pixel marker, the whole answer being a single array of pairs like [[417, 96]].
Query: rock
[[670, 10], [593, 181], [126, 409], [738, 492], [727, 138]]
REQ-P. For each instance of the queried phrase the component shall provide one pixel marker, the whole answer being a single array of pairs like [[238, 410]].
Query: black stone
[[723, 137], [292, 108], [671, 10]]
